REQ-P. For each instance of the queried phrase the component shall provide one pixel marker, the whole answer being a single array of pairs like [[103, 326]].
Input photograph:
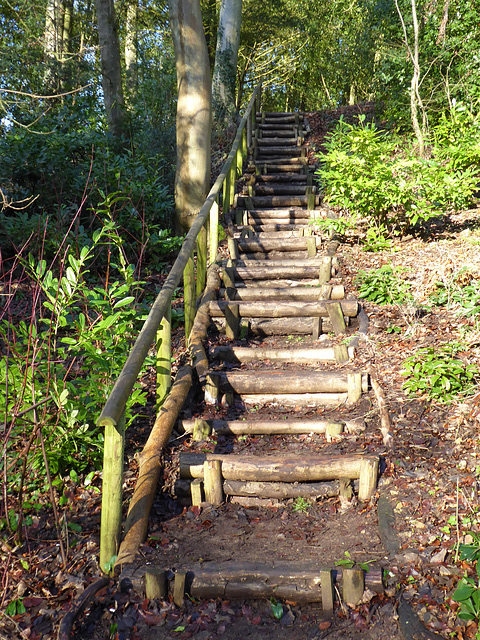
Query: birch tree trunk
[[194, 115], [110, 66], [225, 70]]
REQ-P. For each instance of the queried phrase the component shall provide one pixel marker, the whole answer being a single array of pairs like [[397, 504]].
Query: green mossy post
[[226, 192], [164, 358], [189, 294], [233, 177], [201, 261], [213, 233], [111, 519]]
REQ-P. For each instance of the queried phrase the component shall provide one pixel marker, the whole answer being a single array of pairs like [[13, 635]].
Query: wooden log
[[212, 481], [355, 385], [281, 490], [212, 390], [385, 425], [286, 309], [335, 313], [232, 320], [201, 323], [276, 189], [368, 478], [150, 466], [235, 354], [292, 214], [201, 430], [295, 399], [267, 381], [325, 271], [155, 583], [300, 294], [298, 581], [353, 586], [263, 427], [283, 468], [328, 594], [274, 272], [196, 491], [278, 326], [274, 244], [257, 259], [179, 588]]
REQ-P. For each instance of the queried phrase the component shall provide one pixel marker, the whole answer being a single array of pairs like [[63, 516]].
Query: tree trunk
[[193, 110], [131, 62], [225, 70], [110, 66]]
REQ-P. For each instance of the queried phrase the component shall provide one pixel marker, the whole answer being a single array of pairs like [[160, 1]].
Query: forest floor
[[430, 477]]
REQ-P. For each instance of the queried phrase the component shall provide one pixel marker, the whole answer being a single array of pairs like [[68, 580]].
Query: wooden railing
[[202, 236]]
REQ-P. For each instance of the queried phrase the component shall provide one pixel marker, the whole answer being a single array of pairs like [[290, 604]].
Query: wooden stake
[[189, 299], [212, 478], [179, 588], [196, 488], [202, 249], [325, 272], [335, 314], [232, 320], [354, 390], [164, 358], [328, 595], [201, 430], [155, 583], [213, 233], [368, 478], [353, 586], [212, 391]]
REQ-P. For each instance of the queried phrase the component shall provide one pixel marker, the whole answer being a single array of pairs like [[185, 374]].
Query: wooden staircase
[[283, 333]]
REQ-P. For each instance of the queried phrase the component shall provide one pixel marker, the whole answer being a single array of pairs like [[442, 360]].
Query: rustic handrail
[[112, 416]]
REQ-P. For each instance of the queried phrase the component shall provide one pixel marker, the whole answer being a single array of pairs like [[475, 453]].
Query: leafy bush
[[365, 171], [437, 372], [383, 285], [69, 354]]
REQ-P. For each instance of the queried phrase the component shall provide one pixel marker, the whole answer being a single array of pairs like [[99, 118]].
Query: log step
[[301, 294], [267, 381], [273, 273], [264, 427], [281, 164], [277, 142], [259, 202], [275, 189], [286, 213], [272, 227], [297, 581], [283, 309], [263, 327], [279, 177], [237, 355], [248, 232], [276, 244], [292, 151]]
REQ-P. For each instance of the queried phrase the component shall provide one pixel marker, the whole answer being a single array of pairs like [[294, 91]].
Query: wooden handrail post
[[201, 261], [189, 294], [233, 177], [164, 358], [111, 518], [213, 233], [226, 193]]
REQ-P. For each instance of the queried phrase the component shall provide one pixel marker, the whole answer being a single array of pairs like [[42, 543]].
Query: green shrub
[[365, 171], [383, 285], [439, 373], [69, 354]]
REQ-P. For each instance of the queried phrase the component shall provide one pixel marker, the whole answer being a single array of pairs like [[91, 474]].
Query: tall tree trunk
[[416, 102], [110, 66], [225, 70], [131, 61], [194, 114]]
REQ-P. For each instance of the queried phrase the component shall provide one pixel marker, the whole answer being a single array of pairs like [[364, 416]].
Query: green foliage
[[437, 372], [301, 505], [15, 607], [456, 294], [70, 353], [365, 172], [383, 285], [349, 562], [467, 594], [276, 608]]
